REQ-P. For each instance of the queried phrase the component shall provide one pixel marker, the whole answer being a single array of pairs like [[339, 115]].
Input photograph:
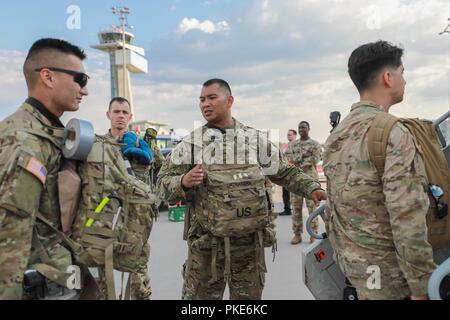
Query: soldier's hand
[[194, 177], [318, 195]]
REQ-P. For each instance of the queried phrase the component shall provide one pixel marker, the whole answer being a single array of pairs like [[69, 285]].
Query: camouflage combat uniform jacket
[[377, 225], [158, 157], [30, 159], [171, 173], [246, 269], [305, 154]]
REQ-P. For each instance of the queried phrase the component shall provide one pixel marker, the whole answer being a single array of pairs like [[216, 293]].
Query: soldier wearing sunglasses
[[33, 259]]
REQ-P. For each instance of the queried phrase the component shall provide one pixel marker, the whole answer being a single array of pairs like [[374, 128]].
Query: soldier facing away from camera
[[378, 223]]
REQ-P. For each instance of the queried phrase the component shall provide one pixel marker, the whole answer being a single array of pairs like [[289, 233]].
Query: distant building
[[141, 126]]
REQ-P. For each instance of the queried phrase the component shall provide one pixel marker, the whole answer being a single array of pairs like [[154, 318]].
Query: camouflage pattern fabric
[[158, 157], [372, 224], [247, 278], [297, 214], [29, 165], [103, 175], [140, 280], [304, 154], [247, 273]]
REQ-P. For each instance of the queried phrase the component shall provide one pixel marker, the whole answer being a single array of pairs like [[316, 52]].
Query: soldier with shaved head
[[30, 159], [222, 169]]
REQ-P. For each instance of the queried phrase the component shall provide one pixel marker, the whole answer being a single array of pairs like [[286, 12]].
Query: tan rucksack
[[115, 214], [436, 166], [233, 201]]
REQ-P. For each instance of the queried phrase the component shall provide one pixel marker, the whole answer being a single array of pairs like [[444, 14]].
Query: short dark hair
[[119, 100], [366, 62], [304, 122], [56, 44], [222, 83], [293, 131], [44, 52]]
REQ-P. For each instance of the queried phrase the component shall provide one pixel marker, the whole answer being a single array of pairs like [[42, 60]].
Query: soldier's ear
[[47, 78], [230, 101], [108, 115], [386, 78]]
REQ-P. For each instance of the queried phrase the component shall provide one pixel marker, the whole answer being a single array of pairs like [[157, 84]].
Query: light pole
[[447, 30]]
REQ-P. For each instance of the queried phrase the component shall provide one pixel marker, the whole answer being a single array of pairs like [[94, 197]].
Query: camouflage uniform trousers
[[297, 214], [247, 277], [140, 281], [297, 209], [386, 282]]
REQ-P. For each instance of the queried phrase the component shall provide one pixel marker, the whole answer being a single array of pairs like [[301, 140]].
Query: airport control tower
[[124, 56]]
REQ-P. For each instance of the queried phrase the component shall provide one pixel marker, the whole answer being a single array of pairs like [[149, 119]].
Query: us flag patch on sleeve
[[36, 168]]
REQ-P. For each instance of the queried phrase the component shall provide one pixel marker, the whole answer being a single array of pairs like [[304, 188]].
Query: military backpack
[[436, 166], [115, 214], [233, 200]]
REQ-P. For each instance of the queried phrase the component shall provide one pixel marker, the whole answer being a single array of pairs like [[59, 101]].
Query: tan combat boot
[[296, 239]]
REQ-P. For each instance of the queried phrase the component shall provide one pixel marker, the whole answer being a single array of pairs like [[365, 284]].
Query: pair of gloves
[[136, 148]]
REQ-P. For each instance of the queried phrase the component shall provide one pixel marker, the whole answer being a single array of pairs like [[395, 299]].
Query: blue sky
[[152, 19], [285, 60]]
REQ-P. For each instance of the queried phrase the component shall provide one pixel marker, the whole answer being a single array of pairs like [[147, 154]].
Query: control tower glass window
[[112, 37]]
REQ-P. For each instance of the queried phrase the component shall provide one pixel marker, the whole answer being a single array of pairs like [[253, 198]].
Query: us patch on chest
[[36, 168]]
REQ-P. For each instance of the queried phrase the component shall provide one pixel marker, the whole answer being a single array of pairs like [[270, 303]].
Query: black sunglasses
[[79, 77]]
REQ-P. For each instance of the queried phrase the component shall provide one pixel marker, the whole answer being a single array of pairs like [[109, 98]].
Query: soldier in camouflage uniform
[[158, 158], [304, 153], [377, 226], [30, 159], [213, 261], [120, 116]]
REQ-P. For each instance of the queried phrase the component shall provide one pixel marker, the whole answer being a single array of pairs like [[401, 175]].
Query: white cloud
[[268, 16], [12, 81], [297, 35], [206, 26]]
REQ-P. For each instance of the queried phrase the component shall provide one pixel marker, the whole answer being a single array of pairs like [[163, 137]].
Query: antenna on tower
[[447, 30], [122, 13], [125, 57]]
